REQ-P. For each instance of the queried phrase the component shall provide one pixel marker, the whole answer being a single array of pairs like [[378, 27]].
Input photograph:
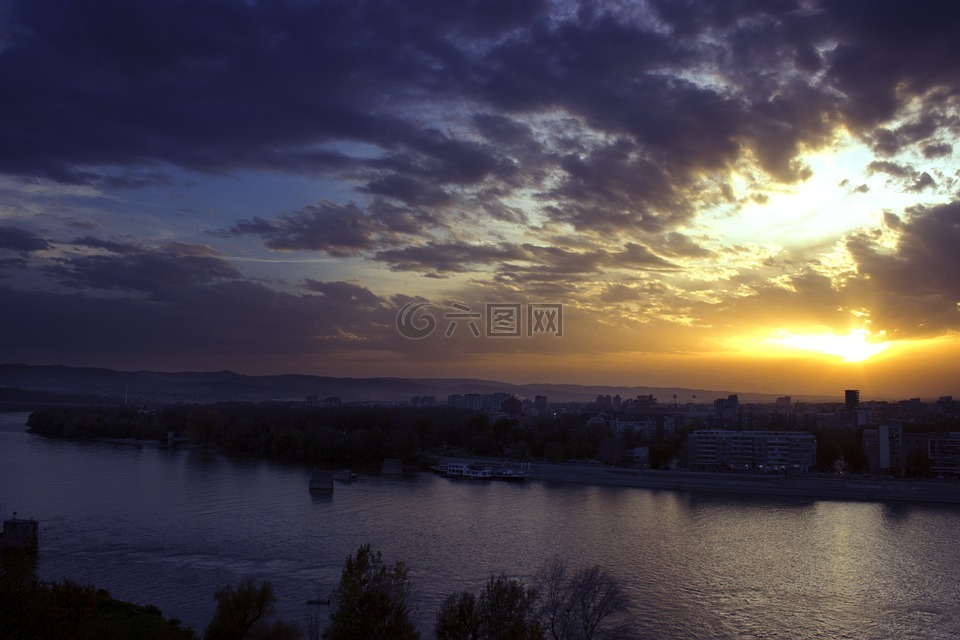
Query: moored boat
[[512, 475], [464, 470]]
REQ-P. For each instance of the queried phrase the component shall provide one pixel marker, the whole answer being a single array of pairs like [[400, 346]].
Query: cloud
[[912, 43], [337, 230], [154, 272], [907, 290], [562, 150], [21, 240], [620, 119], [344, 293], [891, 168], [455, 257], [912, 291], [938, 150], [924, 180]]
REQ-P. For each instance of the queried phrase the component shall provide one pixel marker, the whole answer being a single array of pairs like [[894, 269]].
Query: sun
[[856, 346]]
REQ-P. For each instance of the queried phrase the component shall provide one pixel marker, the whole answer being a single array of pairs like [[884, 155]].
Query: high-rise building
[[540, 404], [851, 400], [727, 409]]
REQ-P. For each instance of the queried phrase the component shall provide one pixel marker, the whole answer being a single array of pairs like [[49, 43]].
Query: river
[[168, 527]]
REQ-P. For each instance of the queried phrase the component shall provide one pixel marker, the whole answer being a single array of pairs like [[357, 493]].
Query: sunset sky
[[755, 195]]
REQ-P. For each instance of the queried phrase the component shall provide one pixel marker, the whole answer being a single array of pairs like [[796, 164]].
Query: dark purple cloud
[[913, 290], [336, 230], [154, 272], [214, 86], [548, 145], [17, 239]]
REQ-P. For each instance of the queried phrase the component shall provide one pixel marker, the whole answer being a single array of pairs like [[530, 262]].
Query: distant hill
[[155, 387]]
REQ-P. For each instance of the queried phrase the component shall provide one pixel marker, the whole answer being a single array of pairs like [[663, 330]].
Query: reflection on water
[[169, 527]]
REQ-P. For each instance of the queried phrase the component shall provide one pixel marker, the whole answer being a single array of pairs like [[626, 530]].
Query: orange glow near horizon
[[855, 346]]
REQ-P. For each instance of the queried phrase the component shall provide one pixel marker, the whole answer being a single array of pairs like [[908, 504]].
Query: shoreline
[[860, 488], [940, 491]]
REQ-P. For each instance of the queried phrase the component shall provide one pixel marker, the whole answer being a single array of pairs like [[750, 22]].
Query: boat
[[345, 476], [464, 470], [509, 474], [321, 481]]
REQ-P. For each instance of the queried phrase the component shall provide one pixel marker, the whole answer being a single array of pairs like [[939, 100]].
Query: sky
[[754, 195]]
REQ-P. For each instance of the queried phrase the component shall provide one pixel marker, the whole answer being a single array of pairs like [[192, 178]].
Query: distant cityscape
[[666, 428], [725, 434]]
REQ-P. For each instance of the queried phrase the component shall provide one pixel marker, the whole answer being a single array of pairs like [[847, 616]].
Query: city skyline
[[758, 197]]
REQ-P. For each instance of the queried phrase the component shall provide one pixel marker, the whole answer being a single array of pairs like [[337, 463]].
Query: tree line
[[371, 602], [352, 435], [358, 435]]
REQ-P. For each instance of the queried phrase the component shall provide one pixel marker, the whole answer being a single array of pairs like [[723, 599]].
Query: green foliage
[[371, 601], [505, 610], [458, 618], [840, 444], [609, 450], [331, 435], [244, 612], [34, 610], [553, 451], [917, 464]]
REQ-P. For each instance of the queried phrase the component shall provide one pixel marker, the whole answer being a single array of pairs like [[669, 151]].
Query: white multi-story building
[[720, 449]]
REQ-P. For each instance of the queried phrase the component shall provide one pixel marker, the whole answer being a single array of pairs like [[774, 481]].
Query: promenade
[[842, 487]]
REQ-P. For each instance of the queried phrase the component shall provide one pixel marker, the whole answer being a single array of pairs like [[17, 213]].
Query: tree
[[553, 451], [507, 611], [917, 463], [243, 614], [370, 603], [581, 604], [504, 611], [609, 451], [458, 618]]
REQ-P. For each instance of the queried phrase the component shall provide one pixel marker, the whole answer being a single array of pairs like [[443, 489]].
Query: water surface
[[168, 527]]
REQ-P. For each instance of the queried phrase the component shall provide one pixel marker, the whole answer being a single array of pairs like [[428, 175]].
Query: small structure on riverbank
[[321, 481], [20, 534]]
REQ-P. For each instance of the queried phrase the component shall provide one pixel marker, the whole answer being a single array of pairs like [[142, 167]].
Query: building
[[851, 400], [884, 448], [762, 450], [492, 403], [489, 403], [473, 401], [646, 427], [604, 403], [540, 405], [943, 450], [19, 534], [423, 401], [727, 410]]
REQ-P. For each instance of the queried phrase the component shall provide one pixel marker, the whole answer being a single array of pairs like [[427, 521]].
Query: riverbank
[[945, 491], [844, 487]]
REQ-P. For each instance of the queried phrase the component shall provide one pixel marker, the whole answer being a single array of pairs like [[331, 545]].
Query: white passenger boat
[[464, 470]]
